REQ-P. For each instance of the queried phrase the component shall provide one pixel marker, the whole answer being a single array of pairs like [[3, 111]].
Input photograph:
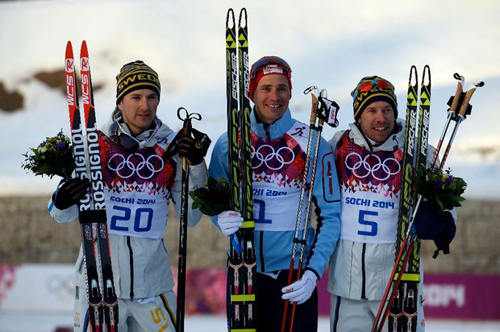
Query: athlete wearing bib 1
[[279, 145], [139, 186]]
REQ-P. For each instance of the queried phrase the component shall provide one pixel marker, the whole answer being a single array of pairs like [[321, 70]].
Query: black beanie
[[134, 76], [371, 89]]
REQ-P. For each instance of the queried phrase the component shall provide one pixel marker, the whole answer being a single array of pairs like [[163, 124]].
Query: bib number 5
[[371, 227]]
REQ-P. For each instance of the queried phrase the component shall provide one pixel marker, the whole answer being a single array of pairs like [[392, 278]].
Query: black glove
[[431, 224], [70, 193], [327, 111], [195, 148]]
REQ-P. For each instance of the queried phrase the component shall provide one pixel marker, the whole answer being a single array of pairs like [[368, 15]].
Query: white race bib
[[136, 214], [368, 219]]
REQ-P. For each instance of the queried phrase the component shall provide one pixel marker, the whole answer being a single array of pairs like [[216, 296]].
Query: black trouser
[[269, 306]]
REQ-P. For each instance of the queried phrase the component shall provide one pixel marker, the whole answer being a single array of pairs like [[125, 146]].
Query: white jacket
[[361, 265], [141, 264]]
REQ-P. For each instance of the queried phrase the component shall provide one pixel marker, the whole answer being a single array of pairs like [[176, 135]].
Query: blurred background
[[330, 44]]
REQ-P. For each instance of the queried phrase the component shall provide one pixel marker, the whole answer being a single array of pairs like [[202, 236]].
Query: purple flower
[[60, 145], [449, 180], [437, 184], [42, 144]]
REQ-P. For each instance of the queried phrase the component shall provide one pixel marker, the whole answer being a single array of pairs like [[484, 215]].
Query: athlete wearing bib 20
[[369, 165], [279, 145], [139, 186]]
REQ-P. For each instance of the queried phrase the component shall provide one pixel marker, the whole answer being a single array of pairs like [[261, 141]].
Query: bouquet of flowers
[[54, 156], [441, 189], [213, 198]]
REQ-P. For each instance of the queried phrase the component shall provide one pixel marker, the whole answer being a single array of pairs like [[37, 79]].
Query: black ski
[[403, 313], [242, 260], [404, 245]]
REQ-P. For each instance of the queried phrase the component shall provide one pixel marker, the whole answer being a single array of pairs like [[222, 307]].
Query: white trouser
[[359, 315], [155, 314]]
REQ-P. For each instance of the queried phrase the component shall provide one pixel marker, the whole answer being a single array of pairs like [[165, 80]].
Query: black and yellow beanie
[[134, 76], [371, 89]]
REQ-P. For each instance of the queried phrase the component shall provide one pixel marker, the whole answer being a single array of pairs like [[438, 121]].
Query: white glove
[[301, 290], [229, 222]]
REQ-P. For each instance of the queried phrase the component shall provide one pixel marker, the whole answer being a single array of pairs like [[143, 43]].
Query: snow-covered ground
[[201, 323]]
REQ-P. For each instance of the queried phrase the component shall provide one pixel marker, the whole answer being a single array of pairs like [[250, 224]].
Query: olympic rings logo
[[145, 169], [60, 286], [380, 170], [274, 160]]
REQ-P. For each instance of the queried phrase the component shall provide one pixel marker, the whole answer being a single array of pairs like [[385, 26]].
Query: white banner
[[37, 287]]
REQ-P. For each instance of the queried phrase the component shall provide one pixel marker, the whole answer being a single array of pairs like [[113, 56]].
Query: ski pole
[[181, 270], [303, 242], [451, 113], [312, 126], [461, 116], [305, 186]]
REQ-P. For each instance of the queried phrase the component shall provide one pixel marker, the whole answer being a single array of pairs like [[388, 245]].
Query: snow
[[202, 323]]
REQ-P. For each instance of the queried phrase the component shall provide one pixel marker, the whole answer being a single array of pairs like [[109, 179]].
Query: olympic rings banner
[[36, 287], [49, 289]]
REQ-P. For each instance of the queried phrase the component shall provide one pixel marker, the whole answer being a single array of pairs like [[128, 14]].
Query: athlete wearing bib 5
[[368, 157], [139, 185], [279, 145]]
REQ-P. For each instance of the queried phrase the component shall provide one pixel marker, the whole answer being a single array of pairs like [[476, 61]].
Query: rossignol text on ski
[[103, 304]]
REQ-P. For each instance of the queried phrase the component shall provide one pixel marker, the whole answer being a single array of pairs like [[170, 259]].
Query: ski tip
[[413, 75], [426, 76], [242, 22], [69, 49], [230, 18], [84, 51]]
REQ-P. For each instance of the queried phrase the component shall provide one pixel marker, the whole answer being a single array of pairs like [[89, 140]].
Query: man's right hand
[[229, 222], [70, 193]]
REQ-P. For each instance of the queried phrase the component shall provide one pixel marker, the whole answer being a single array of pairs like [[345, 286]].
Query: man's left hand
[[193, 149], [301, 290]]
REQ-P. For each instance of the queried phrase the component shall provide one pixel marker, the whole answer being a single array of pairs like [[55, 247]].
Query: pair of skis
[[400, 301], [103, 304], [242, 259]]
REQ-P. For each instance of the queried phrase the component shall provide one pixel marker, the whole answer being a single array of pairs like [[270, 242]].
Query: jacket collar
[[275, 130], [394, 141]]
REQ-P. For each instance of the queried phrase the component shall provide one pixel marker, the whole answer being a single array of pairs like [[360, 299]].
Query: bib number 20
[[142, 219]]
